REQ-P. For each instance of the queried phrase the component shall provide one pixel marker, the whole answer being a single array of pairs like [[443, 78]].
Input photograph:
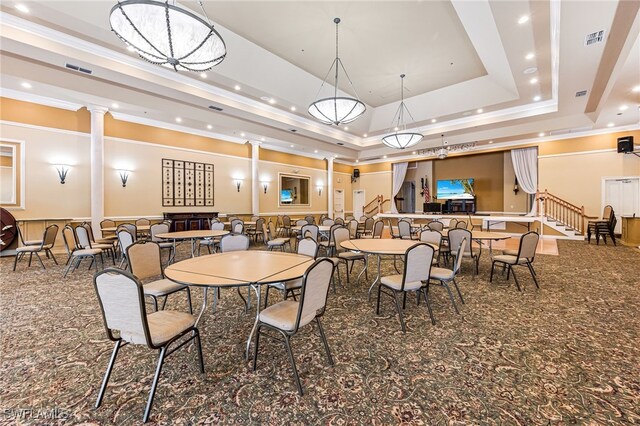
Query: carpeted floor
[[568, 353]]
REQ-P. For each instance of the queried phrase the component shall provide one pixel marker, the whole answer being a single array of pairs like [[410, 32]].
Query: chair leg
[[425, 292], [199, 346], [50, 253], [324, 341], [155, 303], [458, 288], [453, 301], [533, 275], [154, 384], [266, 296], [15, 260], [255, 353], [30, 257], [287, 343], [107, 373], [395, 297], [493, 264], [164, 302], [378, 301], [514, 276], [189, 300], [40, 259]]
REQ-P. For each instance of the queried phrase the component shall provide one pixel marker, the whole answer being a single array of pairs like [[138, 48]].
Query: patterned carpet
[[565, 354]]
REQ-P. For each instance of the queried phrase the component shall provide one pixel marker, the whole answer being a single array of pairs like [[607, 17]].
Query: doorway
[[407, 197], [623, 194], [338, 203], [359, 201]]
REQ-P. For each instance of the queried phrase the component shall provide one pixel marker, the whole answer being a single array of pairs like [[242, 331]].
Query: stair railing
[[562, 211]]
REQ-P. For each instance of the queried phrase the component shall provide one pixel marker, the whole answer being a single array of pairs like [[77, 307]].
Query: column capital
[[255, 143], [330, 159], [97, 109]]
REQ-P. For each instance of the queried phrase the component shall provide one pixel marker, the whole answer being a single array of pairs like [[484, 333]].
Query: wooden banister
[[562, 211]]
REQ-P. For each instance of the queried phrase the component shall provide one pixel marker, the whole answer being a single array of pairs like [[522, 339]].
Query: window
[[11, 174]]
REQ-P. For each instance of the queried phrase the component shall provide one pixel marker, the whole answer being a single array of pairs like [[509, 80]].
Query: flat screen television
[[455, 189], [286, 196]]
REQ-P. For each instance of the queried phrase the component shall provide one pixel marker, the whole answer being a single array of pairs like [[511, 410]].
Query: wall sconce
[[124, 176], [319, 190], [265, 186], [62, 169], [238, 183]]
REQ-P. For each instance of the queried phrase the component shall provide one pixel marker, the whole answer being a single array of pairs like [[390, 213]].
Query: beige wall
[[376, 183], [268, 171], [343, 181], [577, 178], [423, 169]]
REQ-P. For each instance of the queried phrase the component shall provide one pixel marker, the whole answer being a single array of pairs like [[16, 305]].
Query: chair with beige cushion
[[417, 267], [455, 238], [76, 254], [432, 237], [328, 222], [162, 228], [125, 239], [268, 233], [211, 243], [461, 224], [353, 228], [146, 266], [237, 226], [339, 236], [27, 242], [525, 257], [444, 276], [288, 316], [339, 221], [452, 223], [121, 299], [436, 226], [310, 219], [46, 244], [306, 247], [130, 228], [404, 229], [368, 227], [256, 232], [83, 240], [329, 245], [376, 231], [108, 223]]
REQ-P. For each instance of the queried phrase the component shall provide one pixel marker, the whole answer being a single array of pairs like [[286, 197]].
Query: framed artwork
[[187, 184]]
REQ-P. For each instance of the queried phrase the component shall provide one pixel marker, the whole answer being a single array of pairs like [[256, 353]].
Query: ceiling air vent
[[340, 143], [293, 130], [79, 69], [594, 38], [581, 93], [215, 108]]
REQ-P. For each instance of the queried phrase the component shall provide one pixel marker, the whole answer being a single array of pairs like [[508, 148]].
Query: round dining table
[[380, 247], [194, 236], [483, 236], [251, 269]]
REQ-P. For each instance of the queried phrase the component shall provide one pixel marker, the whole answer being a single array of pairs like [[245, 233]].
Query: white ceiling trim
[[41, 100]]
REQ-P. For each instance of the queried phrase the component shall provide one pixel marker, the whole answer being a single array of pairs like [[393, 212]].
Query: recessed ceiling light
[[237, 87], [115, 105], [490, 141], [395, 129], [623, 107], [537, 98], [203, 75], [530, 70], [209, 126], [291, 146], [272, 101], [242, 135], [479, 110], [22, 8], [384, 156], [433, 120], [541, 134], [365, 135], [530, 56], [636, 89], [130, 48], [26, 85], [346, 128], [293, 108], [357, 161], [414, 153], [179, 120], [523, 19], [315, 150], [262, 139], [610, 125], [533, 80], [265, 98], [335, 156]]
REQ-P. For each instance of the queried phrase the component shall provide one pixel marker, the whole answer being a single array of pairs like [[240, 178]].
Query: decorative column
[[97, 166], [255, 184], [330, 186]]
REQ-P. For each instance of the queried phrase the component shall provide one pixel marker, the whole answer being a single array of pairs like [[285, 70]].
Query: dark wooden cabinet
[[460, 206], [189, 221]]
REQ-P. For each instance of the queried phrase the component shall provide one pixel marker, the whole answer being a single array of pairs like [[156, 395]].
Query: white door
[[623, 194], [338, 203], [358, 203]]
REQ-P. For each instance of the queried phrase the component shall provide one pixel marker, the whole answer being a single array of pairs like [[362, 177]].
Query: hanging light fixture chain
[[205, 13]]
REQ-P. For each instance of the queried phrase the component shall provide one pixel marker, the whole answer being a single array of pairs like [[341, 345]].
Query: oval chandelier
[[401, 138], [337, 109], [168, 35]]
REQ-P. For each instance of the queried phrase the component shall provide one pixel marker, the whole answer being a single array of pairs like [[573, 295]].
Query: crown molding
[[41, 100]]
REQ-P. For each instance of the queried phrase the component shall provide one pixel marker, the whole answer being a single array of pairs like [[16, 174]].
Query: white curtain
[[525, 165], [399, 172]]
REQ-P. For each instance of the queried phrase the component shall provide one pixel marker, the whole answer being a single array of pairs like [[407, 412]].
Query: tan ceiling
[[378, 41]]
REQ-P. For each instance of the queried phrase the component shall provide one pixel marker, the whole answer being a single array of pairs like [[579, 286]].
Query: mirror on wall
[[294, 190], [9, 174]]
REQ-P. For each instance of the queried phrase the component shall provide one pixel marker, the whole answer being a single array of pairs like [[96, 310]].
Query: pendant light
[[337, 109], [401, 138]]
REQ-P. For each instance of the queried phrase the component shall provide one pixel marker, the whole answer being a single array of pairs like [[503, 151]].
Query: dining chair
[[377, 230], [111, 240], [444, 276], [329, 245], [121, 300], [270, 240], [339, 236], [353, 229], [306, 247], [76, 254], [404, 229], [125, 239], [237, 226], [432, 237], [231, 242], [455, 237], [211, 243], [286, 226], [392, 230], [525, 257], [143, 222], [146, 265], [453, 222], [461, 224], [26, 242], [162, 228], [310, 219], [302, 222], [107, 223], [83, 240], [309, 229], [256, 232], [417, 268], [349, 217], [328, 222], [131, 228], [339, 221], [368, 227], [46, 244], [436, 226], [288, 317]]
